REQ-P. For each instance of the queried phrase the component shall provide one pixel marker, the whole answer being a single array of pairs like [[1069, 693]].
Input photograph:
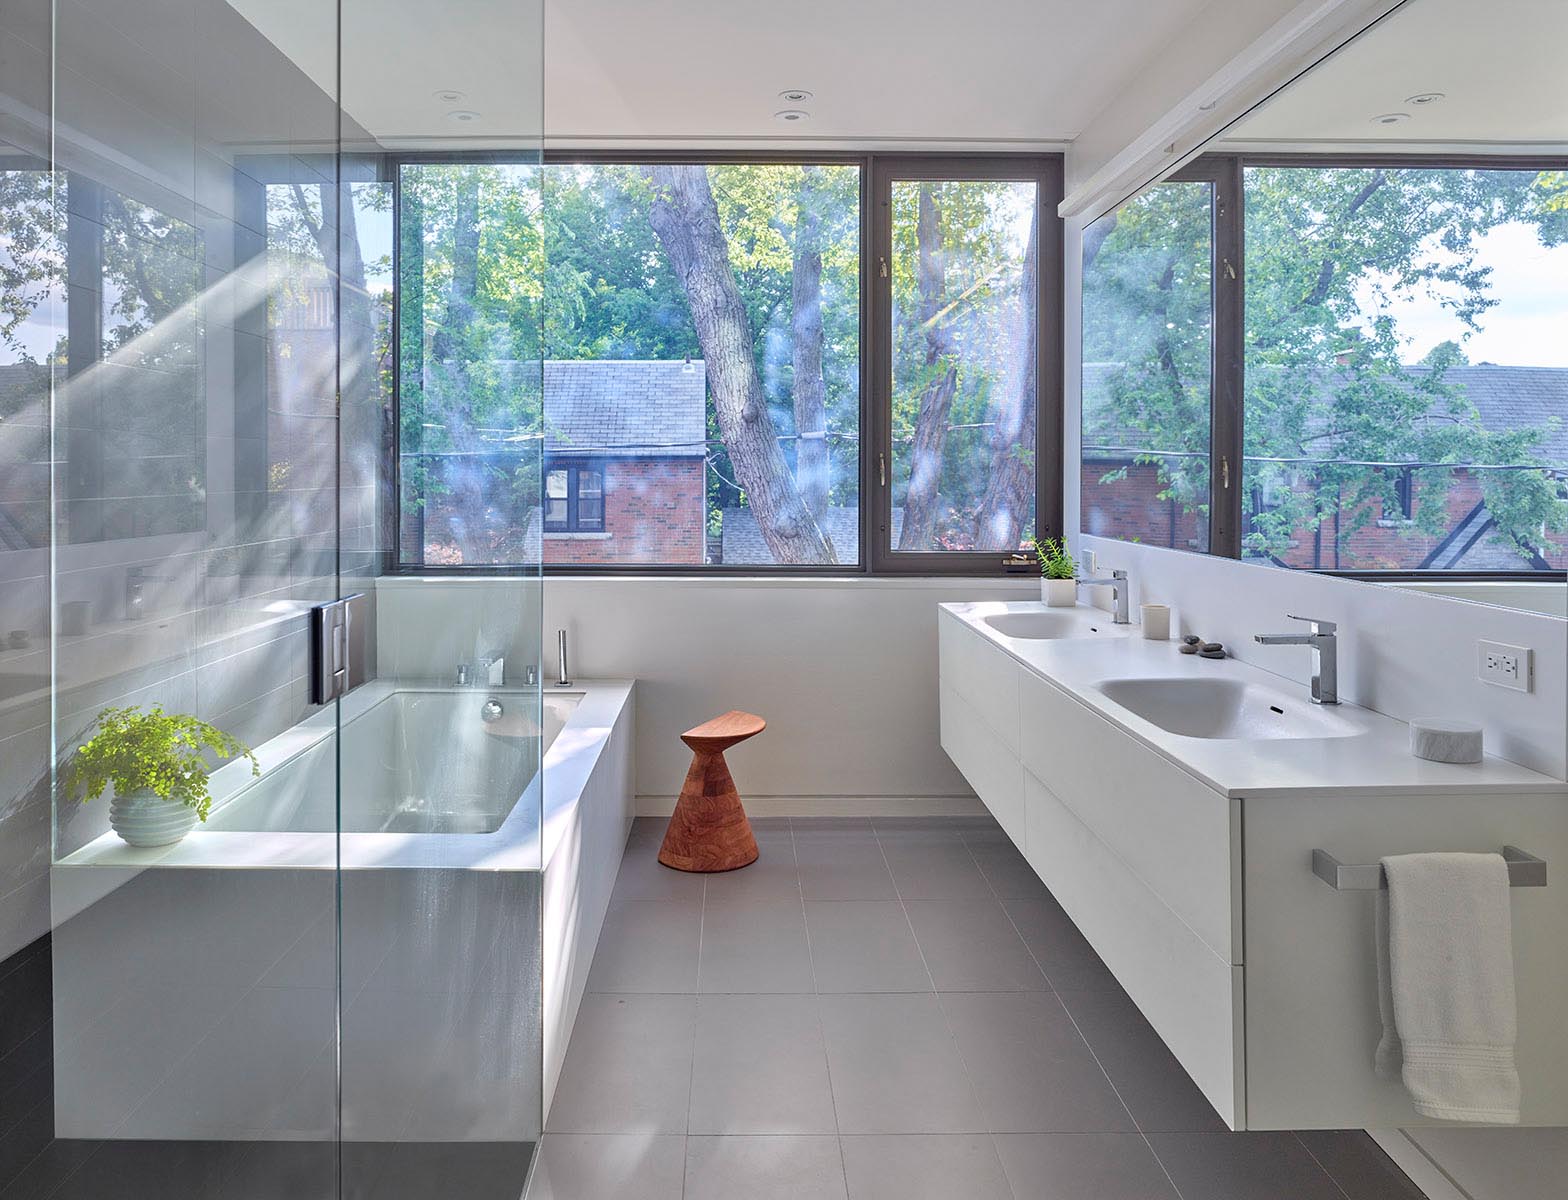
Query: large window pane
[[1406, 370], [1148, 368], [965, 366]]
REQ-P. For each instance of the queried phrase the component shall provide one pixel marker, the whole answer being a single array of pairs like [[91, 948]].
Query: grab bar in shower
[[1524, 870]]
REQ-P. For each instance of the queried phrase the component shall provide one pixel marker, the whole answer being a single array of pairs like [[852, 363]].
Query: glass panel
[[1406, 377], [964, 275], [1148, 353]]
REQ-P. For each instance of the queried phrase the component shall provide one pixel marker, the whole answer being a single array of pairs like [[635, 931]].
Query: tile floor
[[888, 1010]]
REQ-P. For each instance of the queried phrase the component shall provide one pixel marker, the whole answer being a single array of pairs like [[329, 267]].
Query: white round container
[[1155, 621], [143, 819]]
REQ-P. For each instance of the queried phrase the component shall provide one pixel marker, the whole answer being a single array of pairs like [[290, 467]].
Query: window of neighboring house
[[574, 498], [1389, 338]]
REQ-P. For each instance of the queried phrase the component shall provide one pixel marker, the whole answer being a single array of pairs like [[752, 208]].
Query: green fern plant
[[1056, 561], [135, 748]]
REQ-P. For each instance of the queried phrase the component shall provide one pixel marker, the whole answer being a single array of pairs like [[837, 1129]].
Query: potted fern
[[1058, 572], [158, 764]]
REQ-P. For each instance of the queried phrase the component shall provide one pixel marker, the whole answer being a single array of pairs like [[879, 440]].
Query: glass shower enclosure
[[272, 809]]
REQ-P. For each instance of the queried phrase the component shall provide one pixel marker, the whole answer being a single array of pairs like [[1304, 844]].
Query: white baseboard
[[836, 806], [1433, 1181]]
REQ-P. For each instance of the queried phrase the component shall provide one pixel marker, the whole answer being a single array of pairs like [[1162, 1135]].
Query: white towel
[[1446, 985]]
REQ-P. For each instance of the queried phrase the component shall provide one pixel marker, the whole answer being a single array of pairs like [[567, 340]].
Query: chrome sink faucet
[[1117, 582], [1322, 638]]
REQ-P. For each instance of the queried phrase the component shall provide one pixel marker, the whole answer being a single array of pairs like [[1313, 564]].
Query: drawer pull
[[1524, 870]]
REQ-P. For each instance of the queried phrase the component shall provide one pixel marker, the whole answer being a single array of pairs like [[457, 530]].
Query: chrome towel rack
[[1524, 870]]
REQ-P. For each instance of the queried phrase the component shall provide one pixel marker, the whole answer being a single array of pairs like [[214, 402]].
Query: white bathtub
[[458, 926]]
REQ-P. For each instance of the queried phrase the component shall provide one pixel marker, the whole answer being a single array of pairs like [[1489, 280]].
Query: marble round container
[[1445, 741], [143, 819]]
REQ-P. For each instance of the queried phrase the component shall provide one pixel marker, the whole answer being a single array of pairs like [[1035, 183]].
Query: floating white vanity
[[1173, 804]]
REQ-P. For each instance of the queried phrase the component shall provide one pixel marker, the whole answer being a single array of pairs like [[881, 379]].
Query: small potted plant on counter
[[1058, 572], [158, 765]]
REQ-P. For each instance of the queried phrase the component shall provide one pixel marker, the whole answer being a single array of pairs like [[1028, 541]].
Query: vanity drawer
[[1190, 994], [991, 768], [1179, 836], [983, 674], [1311, 1013]]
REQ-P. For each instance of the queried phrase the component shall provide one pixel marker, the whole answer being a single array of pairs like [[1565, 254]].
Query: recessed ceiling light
[[1390, 118], [792, 115], [1421, 98], [448, 96], [795, 96], [463, 115]]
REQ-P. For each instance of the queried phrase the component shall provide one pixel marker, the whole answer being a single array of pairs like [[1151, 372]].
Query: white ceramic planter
[[1059, 593], [142, 819]]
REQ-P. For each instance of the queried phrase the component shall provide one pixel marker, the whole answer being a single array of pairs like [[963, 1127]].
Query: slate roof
[[743, 540], [625, 408], [1505, 397]]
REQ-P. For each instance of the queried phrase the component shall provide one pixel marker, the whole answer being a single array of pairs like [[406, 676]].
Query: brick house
[[1506, 398], [625, 461]]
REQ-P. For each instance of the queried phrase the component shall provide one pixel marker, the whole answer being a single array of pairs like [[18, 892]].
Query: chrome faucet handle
[[1317, 625]]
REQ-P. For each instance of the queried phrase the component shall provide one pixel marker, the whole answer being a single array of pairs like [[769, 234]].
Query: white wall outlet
[[1504, 666]]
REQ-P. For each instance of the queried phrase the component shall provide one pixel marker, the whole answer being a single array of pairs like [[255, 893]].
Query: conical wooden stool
[[709, 830]]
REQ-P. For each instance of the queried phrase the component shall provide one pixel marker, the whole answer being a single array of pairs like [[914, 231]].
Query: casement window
[[710, 342], [1359, 340]]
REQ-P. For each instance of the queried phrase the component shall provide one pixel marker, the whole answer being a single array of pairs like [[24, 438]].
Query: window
[[1399, 390], [966, 466], [573, 498]]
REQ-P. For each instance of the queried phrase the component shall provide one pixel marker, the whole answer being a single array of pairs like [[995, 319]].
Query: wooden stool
[[709, 831]]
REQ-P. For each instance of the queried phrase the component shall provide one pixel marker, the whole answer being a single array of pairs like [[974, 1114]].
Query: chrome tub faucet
[[1322, 638]]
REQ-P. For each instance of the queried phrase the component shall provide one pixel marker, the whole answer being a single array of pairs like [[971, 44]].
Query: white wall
[[844, 670]]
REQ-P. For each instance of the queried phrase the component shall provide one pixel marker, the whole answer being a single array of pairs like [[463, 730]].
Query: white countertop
[[1375, 759]]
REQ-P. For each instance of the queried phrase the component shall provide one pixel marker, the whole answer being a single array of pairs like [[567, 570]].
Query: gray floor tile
[[644, 877], [1243, 1166], [934, 869], [864, 946], [971, 946], [842, 866], [1067, 959], [895, 1067], [628, 1068], [1157, 1091], [924, 1166], [1029, 1065], [771, 877], [755, 947], [1005, 869], [828, 824], [609, 1167], [647, 946], [1085, 1166], [1358, 1165], [764, 1168], [760, 1067]]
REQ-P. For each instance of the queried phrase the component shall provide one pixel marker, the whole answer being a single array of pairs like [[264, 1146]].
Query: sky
[[1528, 327]]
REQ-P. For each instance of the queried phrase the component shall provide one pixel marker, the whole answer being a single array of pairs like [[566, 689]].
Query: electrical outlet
[[1504, 666]]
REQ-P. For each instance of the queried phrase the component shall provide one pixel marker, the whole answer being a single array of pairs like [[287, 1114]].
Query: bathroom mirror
[[1332, 340]]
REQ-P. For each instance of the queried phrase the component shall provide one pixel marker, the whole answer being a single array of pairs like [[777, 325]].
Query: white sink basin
[[1224, 708], [1040, 626]]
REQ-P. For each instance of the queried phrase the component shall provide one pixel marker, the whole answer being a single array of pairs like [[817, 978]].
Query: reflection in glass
[[1407, 383], [964, 276], [1148, 327]]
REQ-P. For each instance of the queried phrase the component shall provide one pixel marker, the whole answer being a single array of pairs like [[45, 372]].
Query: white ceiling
[[928, 70], [1499, 64]]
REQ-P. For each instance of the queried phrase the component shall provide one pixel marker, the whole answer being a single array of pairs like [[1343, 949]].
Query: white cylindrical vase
[[142, 818]]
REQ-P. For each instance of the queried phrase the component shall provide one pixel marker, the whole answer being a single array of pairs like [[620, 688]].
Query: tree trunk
[[686, 219], [810, 389], [1006, 506], [936, 401]]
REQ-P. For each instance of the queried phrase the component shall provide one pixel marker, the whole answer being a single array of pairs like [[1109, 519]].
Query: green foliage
[[1056, 561], [167, 754]]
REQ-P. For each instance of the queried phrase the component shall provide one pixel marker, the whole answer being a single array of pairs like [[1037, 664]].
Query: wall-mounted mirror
[[1335, 340]]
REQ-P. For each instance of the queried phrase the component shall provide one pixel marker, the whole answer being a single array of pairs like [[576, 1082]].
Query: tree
[[686, 218], [808, 386], [1006, 507]]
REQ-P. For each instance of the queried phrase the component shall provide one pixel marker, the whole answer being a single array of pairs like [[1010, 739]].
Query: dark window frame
[[575, 468], [1228, 415], [1049, 441]]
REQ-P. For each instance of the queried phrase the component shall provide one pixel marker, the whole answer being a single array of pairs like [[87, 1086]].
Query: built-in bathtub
[[468, 862]]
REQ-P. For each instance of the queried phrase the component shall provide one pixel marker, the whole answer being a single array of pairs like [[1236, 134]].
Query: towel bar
[[1524, 870]]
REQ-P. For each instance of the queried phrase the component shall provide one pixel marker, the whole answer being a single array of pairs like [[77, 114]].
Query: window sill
[[578, 537], [1385, 523]]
